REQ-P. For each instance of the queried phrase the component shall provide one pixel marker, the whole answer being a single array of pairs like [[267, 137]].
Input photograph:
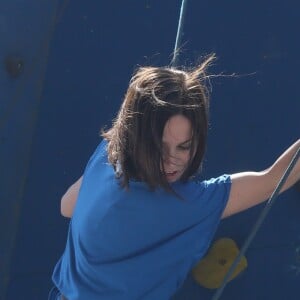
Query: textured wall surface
[[49, 122]]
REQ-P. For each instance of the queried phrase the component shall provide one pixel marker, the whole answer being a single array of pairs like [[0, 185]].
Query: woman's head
[[159, 135]]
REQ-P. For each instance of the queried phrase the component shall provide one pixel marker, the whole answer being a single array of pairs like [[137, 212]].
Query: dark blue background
[[49, 122]]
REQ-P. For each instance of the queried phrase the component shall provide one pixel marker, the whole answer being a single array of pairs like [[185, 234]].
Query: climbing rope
[[179, 34], [275, 193], [258, 223]]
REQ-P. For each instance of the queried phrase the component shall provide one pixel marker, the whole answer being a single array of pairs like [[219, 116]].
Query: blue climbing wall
[[65, 67]]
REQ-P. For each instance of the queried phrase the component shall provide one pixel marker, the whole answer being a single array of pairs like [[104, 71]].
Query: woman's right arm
[[69, 199]]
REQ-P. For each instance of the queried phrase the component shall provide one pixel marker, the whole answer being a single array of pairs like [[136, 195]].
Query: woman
[[141, 217]]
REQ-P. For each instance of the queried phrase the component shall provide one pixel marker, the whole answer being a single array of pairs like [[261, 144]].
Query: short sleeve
[[216, 192], [205, 203], [213, 197], [99, 153]]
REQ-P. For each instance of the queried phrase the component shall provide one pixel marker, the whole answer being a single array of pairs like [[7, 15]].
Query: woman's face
[[176, 141]]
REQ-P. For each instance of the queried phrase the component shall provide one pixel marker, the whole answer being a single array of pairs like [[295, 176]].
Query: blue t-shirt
[[136, 243]]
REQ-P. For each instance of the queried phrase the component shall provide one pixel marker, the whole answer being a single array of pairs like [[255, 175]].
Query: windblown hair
[[154, 95]]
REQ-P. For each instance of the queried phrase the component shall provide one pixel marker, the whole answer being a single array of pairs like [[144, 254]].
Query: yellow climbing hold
[[211, 270]]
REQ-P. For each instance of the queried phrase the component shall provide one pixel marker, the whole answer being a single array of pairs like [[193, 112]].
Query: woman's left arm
[[251, 188], [69, 199]]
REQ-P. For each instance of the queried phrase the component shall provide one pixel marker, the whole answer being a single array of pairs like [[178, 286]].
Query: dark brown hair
[[154, 95]]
